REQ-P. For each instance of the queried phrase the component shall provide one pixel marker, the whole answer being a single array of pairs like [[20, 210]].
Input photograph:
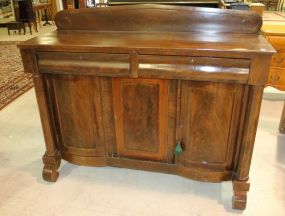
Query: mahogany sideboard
[[154, 87]]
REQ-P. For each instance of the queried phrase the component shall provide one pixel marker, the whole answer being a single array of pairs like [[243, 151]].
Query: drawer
[[99, 64], [277, 78], [278, 60], [193, 68], [278, 42]]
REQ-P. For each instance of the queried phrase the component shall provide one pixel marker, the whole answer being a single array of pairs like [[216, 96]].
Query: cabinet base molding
[[195, 173]]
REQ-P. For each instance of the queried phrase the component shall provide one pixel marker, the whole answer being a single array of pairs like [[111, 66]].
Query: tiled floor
[[113, 191]]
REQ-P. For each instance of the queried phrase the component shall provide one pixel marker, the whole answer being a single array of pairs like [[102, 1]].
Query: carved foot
[[51, 164], [240, 194]]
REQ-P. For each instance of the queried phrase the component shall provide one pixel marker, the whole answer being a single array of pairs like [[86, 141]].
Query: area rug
[[13, 81]]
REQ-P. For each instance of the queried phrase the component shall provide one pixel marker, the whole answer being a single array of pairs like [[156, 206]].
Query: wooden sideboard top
[[148, 43], [156, 29]]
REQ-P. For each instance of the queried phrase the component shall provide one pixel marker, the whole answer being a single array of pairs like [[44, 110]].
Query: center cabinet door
[[141, 112]]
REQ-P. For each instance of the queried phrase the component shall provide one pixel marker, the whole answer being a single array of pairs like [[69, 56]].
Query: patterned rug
[[13, 82]]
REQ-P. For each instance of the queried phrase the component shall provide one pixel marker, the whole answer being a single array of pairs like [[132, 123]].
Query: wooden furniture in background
[[73, 4], [102, 3], [274, 30], [27, 14], [43, 9], [272, 5], [257, 7], [15, 25], [164, 88]]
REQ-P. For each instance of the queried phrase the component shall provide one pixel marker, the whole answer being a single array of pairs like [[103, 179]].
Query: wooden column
[[251, 113], [52, 156]]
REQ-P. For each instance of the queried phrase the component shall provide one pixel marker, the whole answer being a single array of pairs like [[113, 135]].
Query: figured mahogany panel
[[77, 101], [141, 118], [209, 114]]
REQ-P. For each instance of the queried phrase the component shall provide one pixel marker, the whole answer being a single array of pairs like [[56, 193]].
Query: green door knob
[[178, 148]]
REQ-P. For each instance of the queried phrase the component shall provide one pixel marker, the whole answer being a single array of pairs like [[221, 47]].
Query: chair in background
[[103, 3], [26, 14]]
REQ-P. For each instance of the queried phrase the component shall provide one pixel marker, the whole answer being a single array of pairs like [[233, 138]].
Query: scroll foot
[[240, 194], [51, 164]]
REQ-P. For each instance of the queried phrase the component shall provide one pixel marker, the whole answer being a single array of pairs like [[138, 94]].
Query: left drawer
[[99, 64]]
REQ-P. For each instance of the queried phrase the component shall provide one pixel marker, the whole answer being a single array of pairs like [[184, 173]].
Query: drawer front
[[277, 78], [99, 64], [193, 68]]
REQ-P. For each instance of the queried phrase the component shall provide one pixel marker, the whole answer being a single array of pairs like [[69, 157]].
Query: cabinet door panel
[[141, 118], [79, 114], [208, 114]]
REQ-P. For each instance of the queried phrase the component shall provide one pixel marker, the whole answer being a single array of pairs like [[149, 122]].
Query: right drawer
[[277, 78], [194, 68]]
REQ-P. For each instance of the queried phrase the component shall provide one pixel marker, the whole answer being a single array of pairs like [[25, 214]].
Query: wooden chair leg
[[52, 21], [24, 28], [35, 25], [30, 27], [38, 17]]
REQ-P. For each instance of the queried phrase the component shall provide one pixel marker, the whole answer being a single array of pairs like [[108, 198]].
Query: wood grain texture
[[101, 64], [141, 118], [196, 173], [79, 113], [240, 194], [164, 18], [29, 60], [193, 68], [52, 155], [228, 45], [207, 127], [108, 116], [249, 131]]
